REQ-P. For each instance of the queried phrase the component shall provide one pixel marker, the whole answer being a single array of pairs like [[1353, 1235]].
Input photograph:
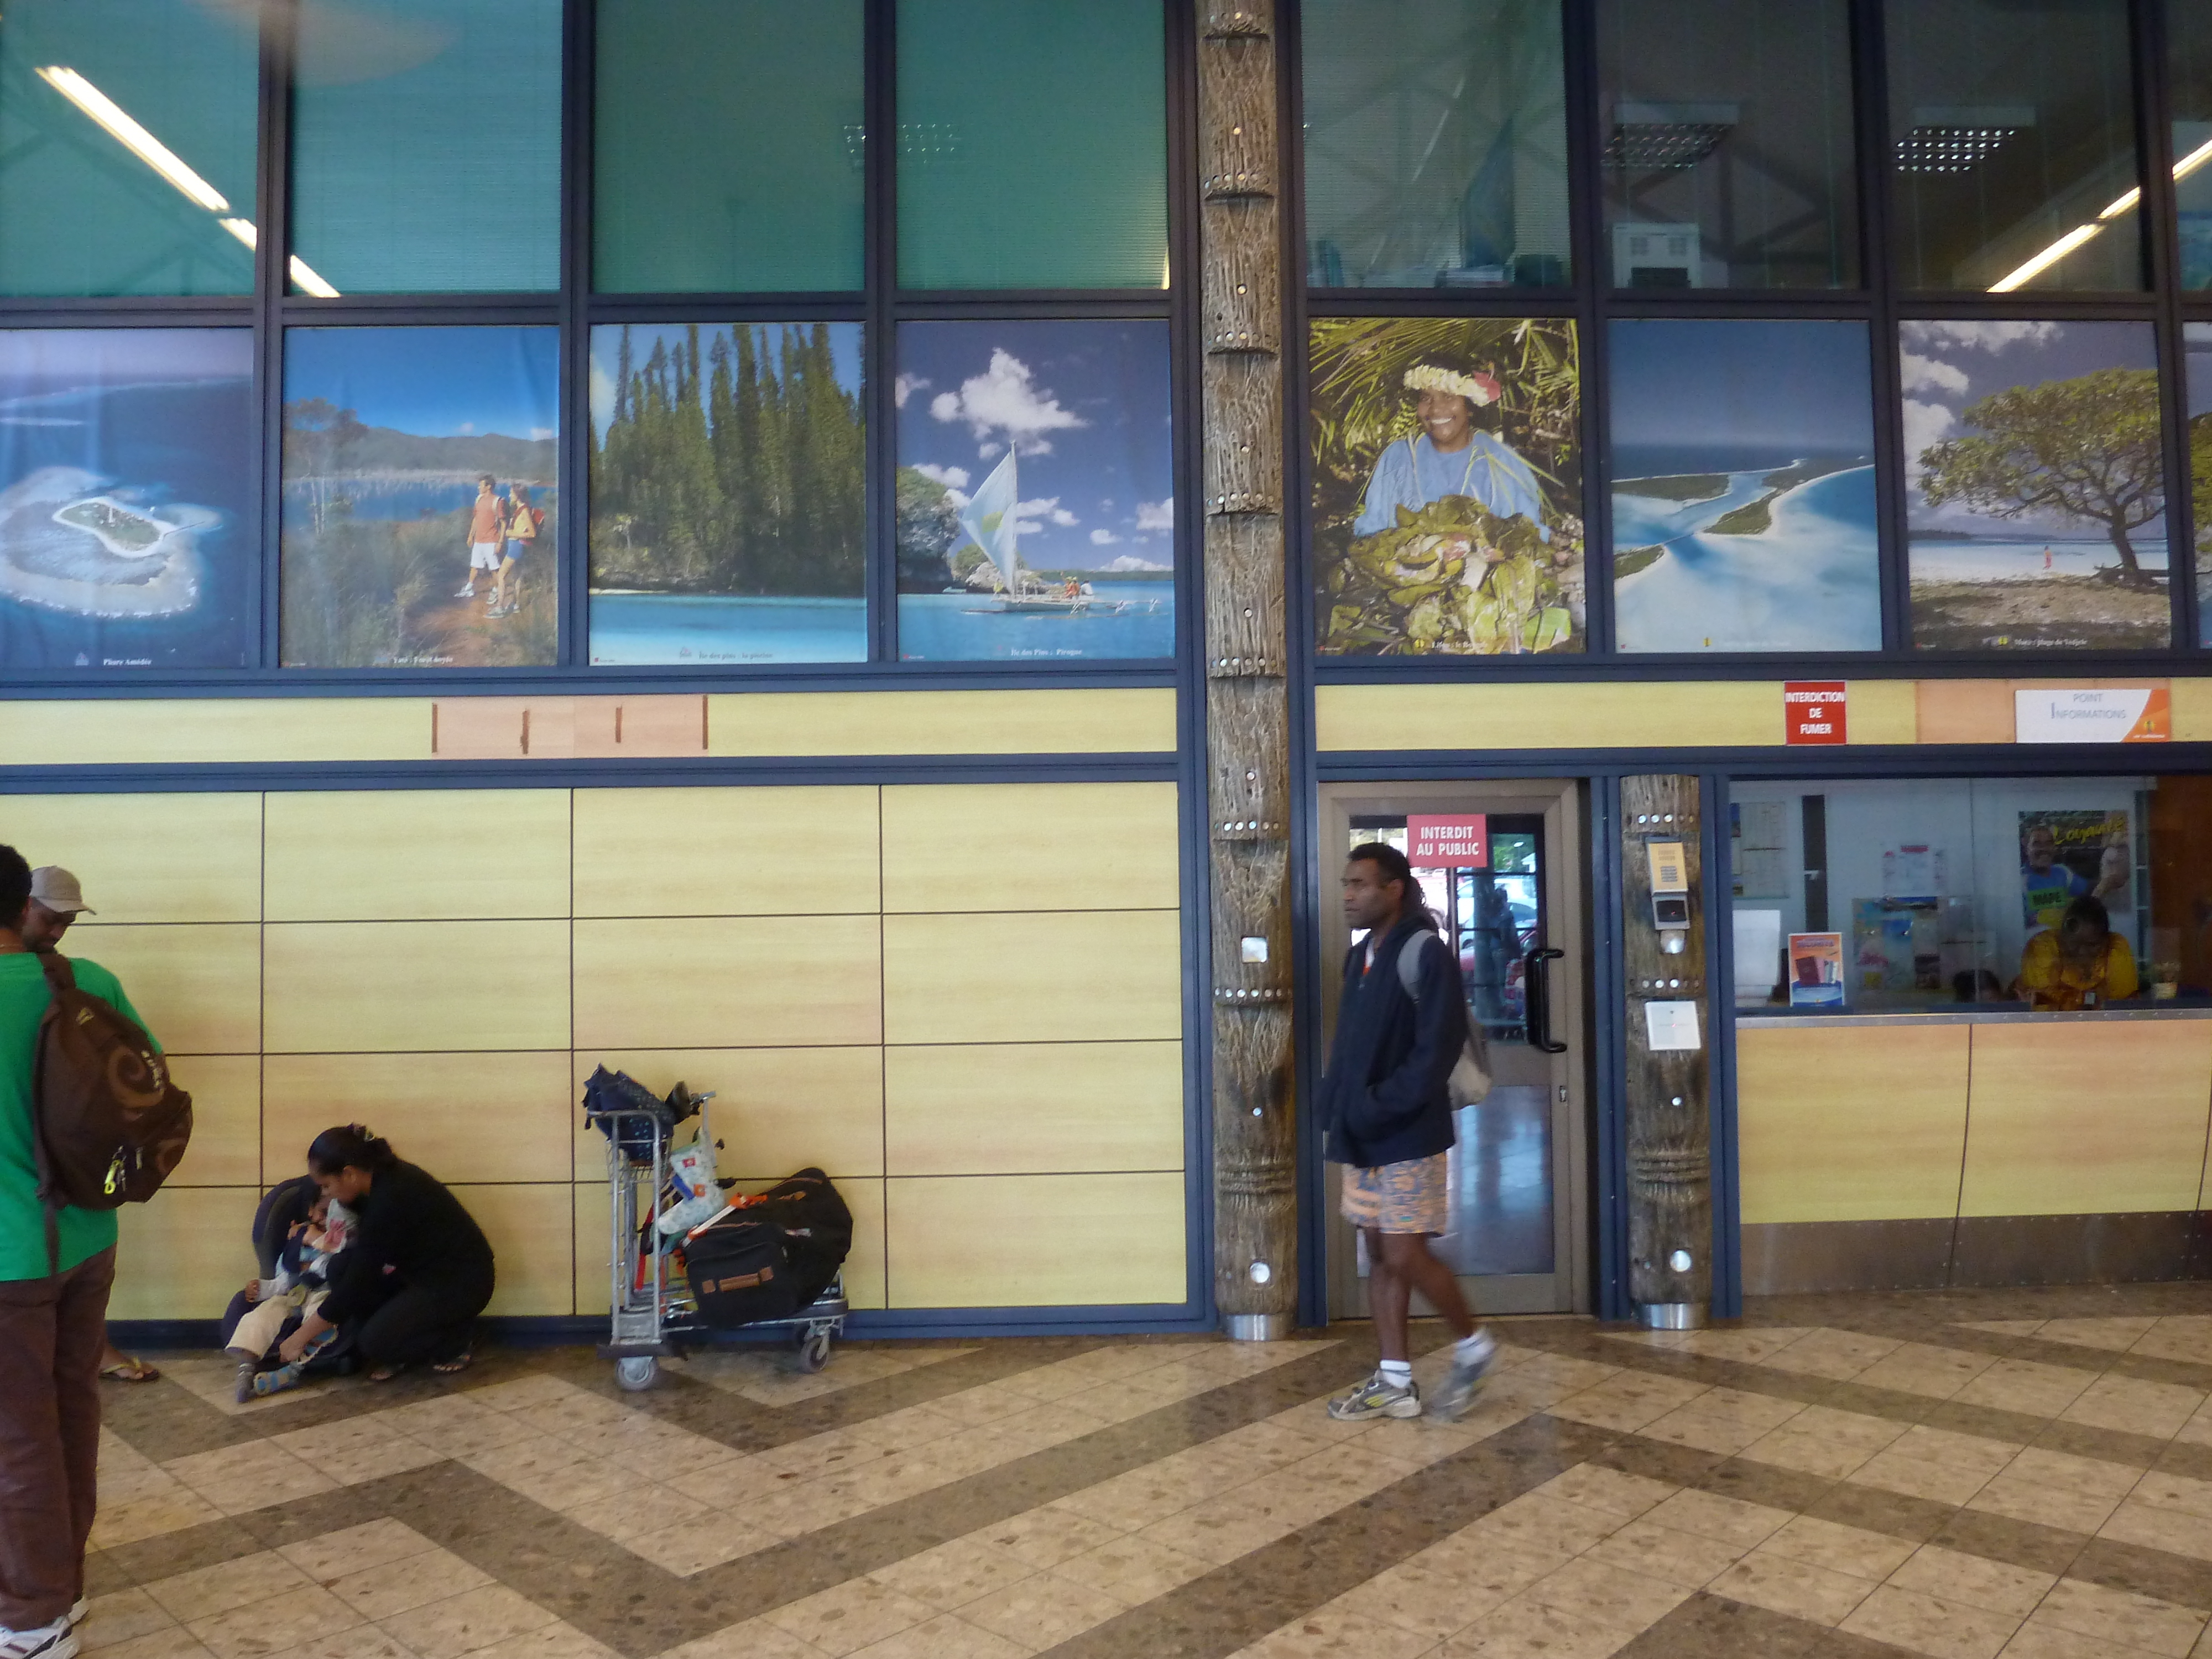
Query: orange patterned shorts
[[1413, 1197]]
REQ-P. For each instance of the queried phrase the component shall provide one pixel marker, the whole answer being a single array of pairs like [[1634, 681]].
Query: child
[[301, 1282]]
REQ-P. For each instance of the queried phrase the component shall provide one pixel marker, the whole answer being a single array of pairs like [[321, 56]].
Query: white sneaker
[[76, 1613], [54, 1641], [468, 592]]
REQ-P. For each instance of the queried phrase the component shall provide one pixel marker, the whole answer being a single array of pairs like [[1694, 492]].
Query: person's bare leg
[[1387, 1296], [1415, 1268]]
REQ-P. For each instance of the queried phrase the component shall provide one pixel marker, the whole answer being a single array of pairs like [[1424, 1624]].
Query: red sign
[[1812, 711], [1458, 842]]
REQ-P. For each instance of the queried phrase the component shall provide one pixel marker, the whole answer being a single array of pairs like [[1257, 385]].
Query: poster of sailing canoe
[[1447, 486], [729, 494], [2035, 485], [125, 534], [2197, 339], [421, 495], [1036, 491], [1743, 492]]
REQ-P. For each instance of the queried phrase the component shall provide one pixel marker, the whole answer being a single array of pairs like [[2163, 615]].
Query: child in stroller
[[297, 1236]]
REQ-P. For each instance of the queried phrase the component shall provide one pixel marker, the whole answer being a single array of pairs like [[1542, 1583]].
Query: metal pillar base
[[1255, 1327], [1671, 1315]]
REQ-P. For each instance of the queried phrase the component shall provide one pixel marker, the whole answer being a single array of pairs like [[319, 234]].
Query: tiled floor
[[1958, 1475]]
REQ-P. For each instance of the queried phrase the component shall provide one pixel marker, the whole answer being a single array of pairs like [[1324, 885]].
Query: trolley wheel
[[637, 1374], [813, 1350]]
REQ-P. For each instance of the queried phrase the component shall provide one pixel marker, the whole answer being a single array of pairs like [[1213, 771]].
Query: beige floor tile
[[2004, 1327], [1042, 1610], [2176, 1531], [1546, 1526], [1429, 1601], [1853, 1550], [1900, 1471], [2135, 1407], [2048, 1506], [524, 1460], [1730, 1520], [463, 1623], [850, 1616], [2174, 1492], [1609, 1595], [955, 1573], [1627, 1402], [361, 1642], [1943, 1630], [1045, 1537], [555, 1642], [1711, 1424], [1982, 1454], [2114, 1335], [153, 1516], [1918, 1368], [944, 1637], [174, 1644], [1482, 1570], [576, 1485], [1522, 1629], [1783, 1584], [1134, 1568], [1689, 1559], [354, 1549], [1974, 1581], [1840, 1355], [693, 1547], [2037, 1639], [236, 1583], [123, 1616], [523, 1393], [280, 1625], [1332, 1631], [1812, 1454], [1597, 1487], [2135, 1621], [2026, 1386], [384, 1592], [2184, 1336], [240, 1479], [755, 1639], [2093, 1475], [637, 1510]]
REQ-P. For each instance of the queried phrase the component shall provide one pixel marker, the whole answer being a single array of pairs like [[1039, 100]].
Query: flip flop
[[454, 1366], [131, 1370]]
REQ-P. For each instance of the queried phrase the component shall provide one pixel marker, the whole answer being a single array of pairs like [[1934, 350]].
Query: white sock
[[1474, 1348], [1397, 1372]]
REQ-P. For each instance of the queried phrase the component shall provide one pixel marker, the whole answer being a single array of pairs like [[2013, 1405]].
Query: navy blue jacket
[[1383, 1099]]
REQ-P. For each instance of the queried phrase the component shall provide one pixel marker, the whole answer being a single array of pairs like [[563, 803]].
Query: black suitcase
[[773, 1257]]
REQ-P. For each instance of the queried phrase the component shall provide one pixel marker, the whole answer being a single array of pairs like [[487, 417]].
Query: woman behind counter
[[2080, 963]]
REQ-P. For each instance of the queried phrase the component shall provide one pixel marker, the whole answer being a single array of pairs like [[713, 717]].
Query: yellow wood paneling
[[197, 984], [1030, 847], [1072, 976], [775, 1110], [594, 1250], [182, 1255], [1844, 1124], [416, 986], [211, 730], [532, 1231], [2192, 711], [146, 858], [1035, 1241], [1075, 722], [465, 1117], [397, 855], [1019, 1107], [2084, 1117], [226, 1091], [725, 852], [1555, 715], [713, 982], [1882, 711]]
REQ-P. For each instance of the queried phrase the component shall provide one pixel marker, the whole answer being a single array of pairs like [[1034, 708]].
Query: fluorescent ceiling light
[[304, 275], [2043, 261], [244, 230], [2195, 159], [2125, 204], [133, 137]]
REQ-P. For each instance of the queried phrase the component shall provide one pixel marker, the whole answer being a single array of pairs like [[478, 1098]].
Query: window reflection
[[2190, 28]]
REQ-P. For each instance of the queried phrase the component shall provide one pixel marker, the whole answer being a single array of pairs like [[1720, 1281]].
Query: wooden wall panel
[[182, 1255], [146, 858], [216, 731], [1070, 976], [1030, 847], [725, 852], [464, 1117], [775, 1110], [2085, 1118], [532, 1231], [1850, 1125], [401, 855], [1553, 715], [1023, 1108], [1035, 1241], [717, 983], [594, 1246], [198, 986], [1074, 721], [225, 1148], [416, 986]]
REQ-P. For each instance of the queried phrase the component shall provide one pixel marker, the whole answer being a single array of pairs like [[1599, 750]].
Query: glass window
[[1435, 143], [1743, 497], [729, 493], [127, 147], [126, 521], [2015, 150], [1032, 145], [729, 146], [426, 147], [2191, 35], [1725, 139], [2197, 347], [422, 491], [1036, 500], [1447, 486], [2035, 485]]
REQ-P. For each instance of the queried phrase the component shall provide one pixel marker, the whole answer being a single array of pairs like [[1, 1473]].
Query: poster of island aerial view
[[1447, 481], [1036, 491], [124, 521], [1743, 494], [2197, 344], [729, 494], [421, 495], [2035, 485]]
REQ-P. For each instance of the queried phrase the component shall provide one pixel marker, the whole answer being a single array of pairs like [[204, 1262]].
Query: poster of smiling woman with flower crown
[[1447, 486]]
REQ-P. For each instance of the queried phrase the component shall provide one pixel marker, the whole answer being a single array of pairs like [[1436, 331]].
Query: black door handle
[[1535, 986]]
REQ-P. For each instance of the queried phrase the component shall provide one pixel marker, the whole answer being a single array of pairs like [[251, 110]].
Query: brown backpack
[[112, 1123]]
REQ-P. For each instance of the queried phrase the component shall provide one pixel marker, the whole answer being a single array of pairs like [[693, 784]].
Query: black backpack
[[773, 1257]]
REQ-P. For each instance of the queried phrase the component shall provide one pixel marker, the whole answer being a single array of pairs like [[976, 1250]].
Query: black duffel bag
[[771, 1257]]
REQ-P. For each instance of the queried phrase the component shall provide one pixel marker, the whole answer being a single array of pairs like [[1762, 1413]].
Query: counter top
[[1748, 1018]]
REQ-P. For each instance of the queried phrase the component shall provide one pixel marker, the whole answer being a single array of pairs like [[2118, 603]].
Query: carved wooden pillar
[[1670, 1195], [1247, 725]]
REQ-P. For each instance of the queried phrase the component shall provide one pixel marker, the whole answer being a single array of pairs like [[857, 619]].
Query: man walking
[[1384, 1104], [53, 1311], [484, 538]]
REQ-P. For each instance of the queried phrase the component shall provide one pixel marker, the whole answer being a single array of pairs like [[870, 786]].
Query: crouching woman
[[418, 1272]]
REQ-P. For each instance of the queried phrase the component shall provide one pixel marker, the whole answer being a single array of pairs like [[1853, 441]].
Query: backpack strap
[[1409, 962], [60, 978], [60, 975]]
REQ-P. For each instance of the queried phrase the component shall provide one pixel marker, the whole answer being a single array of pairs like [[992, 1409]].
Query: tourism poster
[[2035, 486], [729, 494], [1743, 492], [127, 536], [1036, 491], [1816, 970], [1447, 482], [2197, 346], [422, 497], [2068, 853]]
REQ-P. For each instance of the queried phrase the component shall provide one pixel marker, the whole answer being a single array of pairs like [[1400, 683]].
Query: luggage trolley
[[654, 1320]]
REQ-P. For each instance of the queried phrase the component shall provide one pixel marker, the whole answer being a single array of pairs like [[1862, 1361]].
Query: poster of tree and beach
[[2035, 485], [1743, 494], [2197, 341], [421, 495], [729, 493], [124, 502]]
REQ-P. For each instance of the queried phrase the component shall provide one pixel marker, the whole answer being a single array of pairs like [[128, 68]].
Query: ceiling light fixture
[[133, 137], [2043, 261]]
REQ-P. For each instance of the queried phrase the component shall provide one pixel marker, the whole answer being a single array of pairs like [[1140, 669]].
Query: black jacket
[[409, 1230], [1382, 1098]]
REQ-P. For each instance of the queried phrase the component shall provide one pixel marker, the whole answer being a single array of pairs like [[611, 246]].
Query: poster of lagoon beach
[[2197, 343], [2035, 486], [1743, 494], [125, 457], [1036, 491]]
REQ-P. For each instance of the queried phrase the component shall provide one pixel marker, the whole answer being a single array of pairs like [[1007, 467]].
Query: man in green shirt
[[53, 1322]]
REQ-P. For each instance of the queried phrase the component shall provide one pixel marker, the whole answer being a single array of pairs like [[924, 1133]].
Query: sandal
[[385, 1373], [127, 1370], [454, 1366]]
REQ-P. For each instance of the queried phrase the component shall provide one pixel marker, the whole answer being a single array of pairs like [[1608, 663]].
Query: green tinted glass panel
[[729, 146], [126, 143], [426, 147], [2190, 30], [1032, 145]]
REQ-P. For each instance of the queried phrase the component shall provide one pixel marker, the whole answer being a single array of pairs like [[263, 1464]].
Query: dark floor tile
[[103, 1574], [1877, 1510], [2000, 1538], [2139, 1451], [1708, 1627], [301, 1518], [1658, 1459], [2181, 1458], [1764, 1483], [2178, 1578], [1991, 1424], [210, 1544]]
